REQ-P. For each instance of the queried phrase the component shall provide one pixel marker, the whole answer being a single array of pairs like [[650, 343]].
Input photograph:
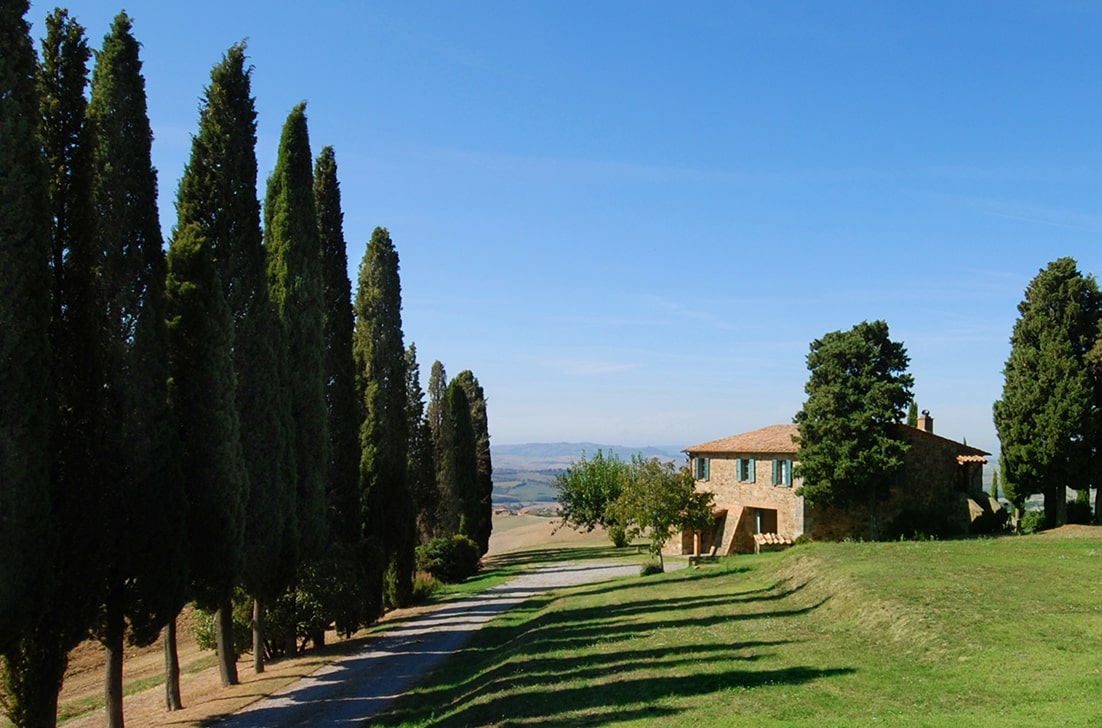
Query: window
[[745, 470], [782, 472], [700, 468]]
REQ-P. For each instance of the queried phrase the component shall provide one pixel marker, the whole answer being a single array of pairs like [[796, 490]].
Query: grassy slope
[[978, 633]]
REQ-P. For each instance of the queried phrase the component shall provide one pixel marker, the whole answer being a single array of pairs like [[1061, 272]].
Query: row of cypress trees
[[179, 427]]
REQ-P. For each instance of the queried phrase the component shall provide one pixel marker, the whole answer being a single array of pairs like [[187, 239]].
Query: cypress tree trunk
[[258, 635], [172, 668], [114, 626], [223, 638], [1056, 506]]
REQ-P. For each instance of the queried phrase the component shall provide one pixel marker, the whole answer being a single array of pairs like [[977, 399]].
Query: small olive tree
[[587, 491], [660, 500]]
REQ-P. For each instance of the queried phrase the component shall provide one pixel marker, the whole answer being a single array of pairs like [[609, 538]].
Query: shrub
[[653, 566], [205, 628], [424, 586], [1033, 521], [618, 535], [450, 560]]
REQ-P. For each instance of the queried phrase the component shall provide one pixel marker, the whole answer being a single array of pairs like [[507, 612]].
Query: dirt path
[[359, 686]]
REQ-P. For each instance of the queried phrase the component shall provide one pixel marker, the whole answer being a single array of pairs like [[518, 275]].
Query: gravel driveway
[[354, 688]]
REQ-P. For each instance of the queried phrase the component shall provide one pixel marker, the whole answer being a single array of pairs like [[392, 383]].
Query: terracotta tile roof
[[772, 439], [965, 451], [778, 439]]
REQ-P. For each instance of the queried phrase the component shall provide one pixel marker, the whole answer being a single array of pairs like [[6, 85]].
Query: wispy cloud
[[1038, 214]]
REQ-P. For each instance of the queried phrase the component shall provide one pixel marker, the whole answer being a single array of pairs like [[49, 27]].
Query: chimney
[[926, 422]]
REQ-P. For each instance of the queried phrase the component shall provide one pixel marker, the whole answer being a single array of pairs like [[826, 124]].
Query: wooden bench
[[770, 542], [697, 558]]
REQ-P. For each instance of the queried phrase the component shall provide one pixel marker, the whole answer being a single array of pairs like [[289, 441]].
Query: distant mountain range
[[523, 474], [564, 453]]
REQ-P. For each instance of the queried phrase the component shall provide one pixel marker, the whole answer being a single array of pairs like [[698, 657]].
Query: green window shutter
[[707, 468], [750, 470], [776, 472]]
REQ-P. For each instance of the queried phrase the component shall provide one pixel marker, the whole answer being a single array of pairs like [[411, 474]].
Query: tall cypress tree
[[461, 457], [384, 441], [144, 511], [35, 668], [422, 467], [342, 603], [446, 521], [478, 505], [218, 194], [342, 490], [201, 330], [294, 264], [24, 344], [1047, 418]]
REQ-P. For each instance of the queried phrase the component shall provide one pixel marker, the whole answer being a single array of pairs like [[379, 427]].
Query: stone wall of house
[[741, 501], [930, 496]]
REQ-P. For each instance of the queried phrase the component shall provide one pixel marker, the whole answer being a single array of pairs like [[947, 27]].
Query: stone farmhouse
[[939, 491]]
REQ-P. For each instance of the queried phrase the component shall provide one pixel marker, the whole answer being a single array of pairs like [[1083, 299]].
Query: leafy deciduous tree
[[660, 500], [587, 491]]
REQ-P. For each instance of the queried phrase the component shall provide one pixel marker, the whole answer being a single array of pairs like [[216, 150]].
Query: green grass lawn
[[998, 632]]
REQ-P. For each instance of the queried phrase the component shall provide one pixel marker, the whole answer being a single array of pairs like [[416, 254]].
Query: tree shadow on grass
[[606, 702], [541, 556], [591, 656]]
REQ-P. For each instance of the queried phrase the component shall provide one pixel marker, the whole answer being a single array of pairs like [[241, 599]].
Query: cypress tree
[[384, 440], [478, 505], [343, 559], [461, 455], [24, 322], [1047, 418], [422, 467], [446, 521], [218, 194], [201, 331], [912, 414], [438, 390], [294, 265], [342, 490], [144, 505], [36, 666]]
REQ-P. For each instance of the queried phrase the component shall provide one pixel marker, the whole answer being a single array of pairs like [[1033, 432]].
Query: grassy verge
[[999, 632]]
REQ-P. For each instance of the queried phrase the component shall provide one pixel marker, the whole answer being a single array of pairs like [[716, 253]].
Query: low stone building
[[938, 492]]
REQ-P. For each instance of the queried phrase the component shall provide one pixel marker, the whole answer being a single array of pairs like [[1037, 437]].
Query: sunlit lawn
[[991, 632]]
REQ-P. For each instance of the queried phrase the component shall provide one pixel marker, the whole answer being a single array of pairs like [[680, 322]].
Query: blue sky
[[630, 219]]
